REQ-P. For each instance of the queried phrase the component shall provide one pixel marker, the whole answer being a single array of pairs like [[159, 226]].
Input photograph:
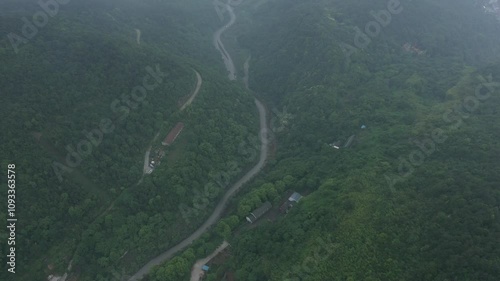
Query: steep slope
[[81, 102], [415, 197]]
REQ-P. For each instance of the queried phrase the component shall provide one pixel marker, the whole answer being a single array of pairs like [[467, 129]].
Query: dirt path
[[197, 271], [195, 93]]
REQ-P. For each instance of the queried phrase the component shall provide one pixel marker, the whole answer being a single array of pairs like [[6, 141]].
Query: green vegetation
[[80, 69], [414, 198], [437, 219]]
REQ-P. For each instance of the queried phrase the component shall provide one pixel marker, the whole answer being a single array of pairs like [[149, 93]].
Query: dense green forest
[[75, 82], [415, 197]]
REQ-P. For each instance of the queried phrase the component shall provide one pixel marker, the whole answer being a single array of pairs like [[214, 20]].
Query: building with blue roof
[[295, 197]]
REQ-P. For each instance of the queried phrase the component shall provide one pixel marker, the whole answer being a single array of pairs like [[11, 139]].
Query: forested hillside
[[415, 85], [416, 197], [81, 101]]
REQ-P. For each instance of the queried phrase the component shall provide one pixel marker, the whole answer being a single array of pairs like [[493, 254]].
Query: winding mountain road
[[195, 93], [228, 62], [216, 214]]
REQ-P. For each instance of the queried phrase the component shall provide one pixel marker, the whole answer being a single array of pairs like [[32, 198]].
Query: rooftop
[[173, 134], [295, 197], [257, 213]]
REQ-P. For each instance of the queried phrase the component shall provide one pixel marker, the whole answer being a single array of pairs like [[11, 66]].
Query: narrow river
[[215, 216]]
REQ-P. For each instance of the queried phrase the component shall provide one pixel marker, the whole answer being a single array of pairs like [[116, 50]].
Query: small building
[[205, 267], [259, 212], [173, 134], [288, 204], [295, 197], [334, 145]]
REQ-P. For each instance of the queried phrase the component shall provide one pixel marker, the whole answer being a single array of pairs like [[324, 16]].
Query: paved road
[[215, 216], [228, 62], [195, 93]]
